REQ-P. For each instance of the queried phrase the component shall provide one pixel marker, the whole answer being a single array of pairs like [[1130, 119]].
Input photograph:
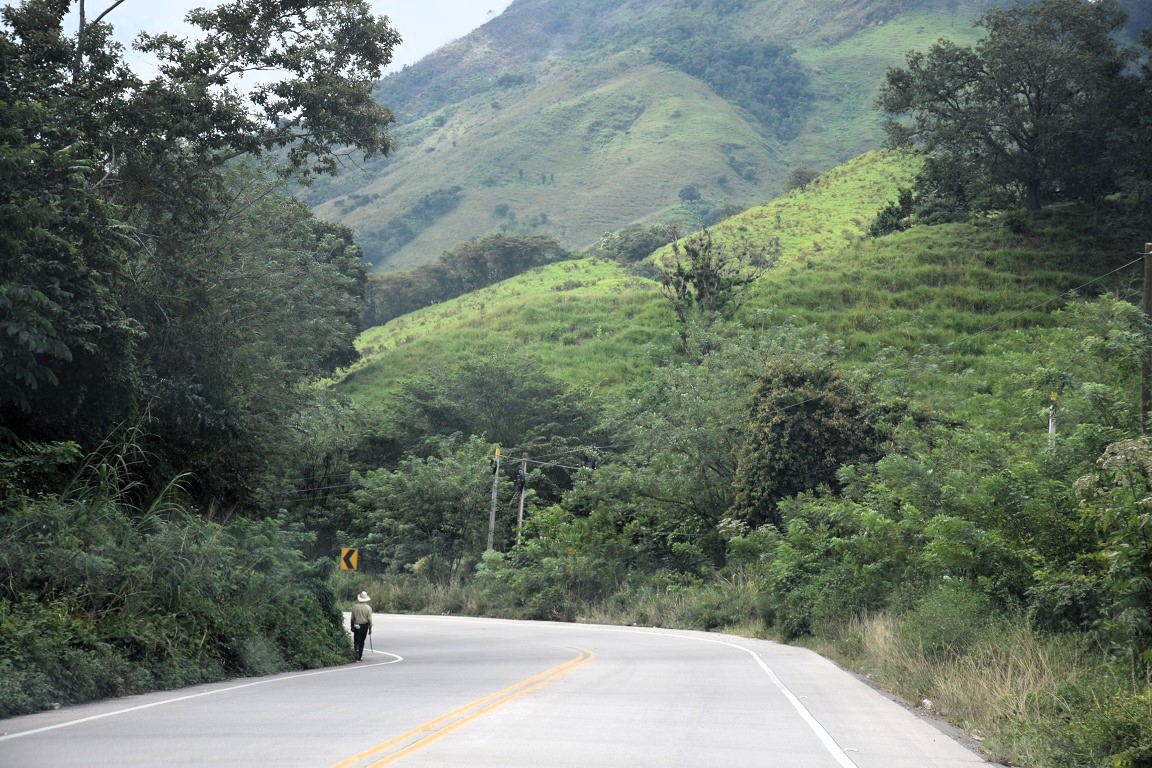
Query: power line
[[1067, 293], [325, 488]]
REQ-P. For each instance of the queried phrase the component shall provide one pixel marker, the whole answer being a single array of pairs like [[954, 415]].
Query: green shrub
[[1099, 722], [948, 620]]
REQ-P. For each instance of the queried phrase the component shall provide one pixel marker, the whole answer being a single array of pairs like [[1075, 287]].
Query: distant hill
[[575, 118]]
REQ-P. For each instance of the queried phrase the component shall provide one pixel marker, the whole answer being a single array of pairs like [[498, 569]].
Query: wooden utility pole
[[1146, 365], [495, 486], [522, 479]]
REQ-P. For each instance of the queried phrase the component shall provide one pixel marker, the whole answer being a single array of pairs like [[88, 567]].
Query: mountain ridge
[[559, 118]]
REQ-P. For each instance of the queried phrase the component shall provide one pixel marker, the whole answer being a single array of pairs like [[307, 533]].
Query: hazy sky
[[425, 25]]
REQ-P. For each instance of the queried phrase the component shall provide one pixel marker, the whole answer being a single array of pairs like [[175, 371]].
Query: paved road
[[440, 691]]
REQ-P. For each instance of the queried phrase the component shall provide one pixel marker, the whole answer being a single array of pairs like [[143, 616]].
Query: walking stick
[[370, 640]]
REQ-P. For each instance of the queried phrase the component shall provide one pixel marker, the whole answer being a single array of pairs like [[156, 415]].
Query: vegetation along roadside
[[894, 414]]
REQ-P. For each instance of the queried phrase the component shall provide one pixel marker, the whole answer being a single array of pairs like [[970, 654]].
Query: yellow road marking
[[422, 735]]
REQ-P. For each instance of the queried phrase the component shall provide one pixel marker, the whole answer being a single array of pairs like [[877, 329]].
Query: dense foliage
[[156, 280], [153, 272], [1043, 109], [633, 244], [105, 594], [760, 76], [804, 425]]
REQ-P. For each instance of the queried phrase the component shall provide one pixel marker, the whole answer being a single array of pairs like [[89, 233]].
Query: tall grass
[[1031, 698], [995, 681], [103, 593], [672, 601]]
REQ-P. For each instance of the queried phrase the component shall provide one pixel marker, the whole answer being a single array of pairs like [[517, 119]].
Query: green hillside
[[951, 291], [574, 119], [593, 323], [590, 322], [966, 533]]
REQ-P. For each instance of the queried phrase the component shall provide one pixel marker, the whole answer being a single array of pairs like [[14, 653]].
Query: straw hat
[[362, 597]]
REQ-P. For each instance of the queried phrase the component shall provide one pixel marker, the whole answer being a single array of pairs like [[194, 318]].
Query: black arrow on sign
[[349, 559]]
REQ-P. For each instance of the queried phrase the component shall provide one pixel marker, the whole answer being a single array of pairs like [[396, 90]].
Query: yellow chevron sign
[[349, 557]]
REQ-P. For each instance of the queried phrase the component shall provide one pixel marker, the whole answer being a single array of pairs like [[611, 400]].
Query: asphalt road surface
[[442, 691]]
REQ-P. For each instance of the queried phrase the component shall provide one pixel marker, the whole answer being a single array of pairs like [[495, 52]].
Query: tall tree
[[463, 268], [255, 310], [139, 280], [505, 396], [679, 437], [62, 331], [1031, 111], [426, 515], [1136, 151], [705, 280]]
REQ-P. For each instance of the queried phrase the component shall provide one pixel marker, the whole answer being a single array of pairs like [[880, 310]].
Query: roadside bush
[[53, 658], [551, 589], [102, 598], [1101, 721], [947, 621], [836, 559], [718, 607], [564, 563]]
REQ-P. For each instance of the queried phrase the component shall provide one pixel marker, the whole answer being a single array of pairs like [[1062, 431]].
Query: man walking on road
[[361, 624]]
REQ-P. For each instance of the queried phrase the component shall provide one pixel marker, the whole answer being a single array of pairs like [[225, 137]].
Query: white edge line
[[281, 678], [826, 739], [821, 733]]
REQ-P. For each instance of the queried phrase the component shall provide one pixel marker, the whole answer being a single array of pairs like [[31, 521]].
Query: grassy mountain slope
[[846, 77], [589, 322], [567, 118], [621, 127], [932, 302], [594, 324], [830, 213]]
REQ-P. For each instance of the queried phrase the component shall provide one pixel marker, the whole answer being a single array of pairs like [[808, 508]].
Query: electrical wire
[[1067, 293]]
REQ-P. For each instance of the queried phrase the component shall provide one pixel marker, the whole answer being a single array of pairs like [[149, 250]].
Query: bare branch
[[107, 11], [78, 61]]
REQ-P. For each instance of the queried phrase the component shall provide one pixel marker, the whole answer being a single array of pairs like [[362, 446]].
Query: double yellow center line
[[422, 735]]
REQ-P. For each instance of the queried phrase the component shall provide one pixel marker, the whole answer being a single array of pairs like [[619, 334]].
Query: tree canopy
[[705, 280], [152, 269], [1036, 112], [466, 267], [805, 425]]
